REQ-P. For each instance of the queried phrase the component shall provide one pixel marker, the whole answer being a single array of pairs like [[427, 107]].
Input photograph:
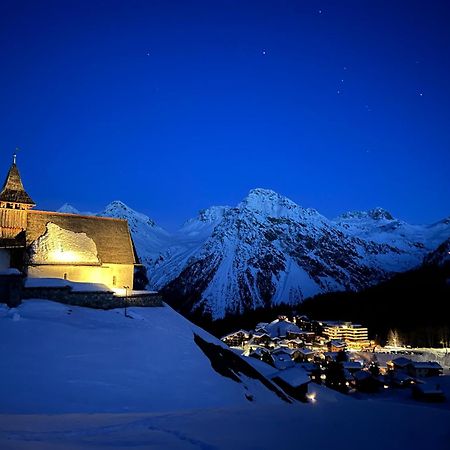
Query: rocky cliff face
[[269, 250]]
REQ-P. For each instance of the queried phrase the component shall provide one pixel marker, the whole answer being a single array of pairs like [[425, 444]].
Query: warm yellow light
[[64, 256]]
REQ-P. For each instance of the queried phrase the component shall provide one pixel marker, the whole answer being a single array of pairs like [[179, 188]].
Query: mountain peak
[[120, 210], [380, 213], [374, 214], [212, 214], [68, 209], [271, 204], [267, 201]]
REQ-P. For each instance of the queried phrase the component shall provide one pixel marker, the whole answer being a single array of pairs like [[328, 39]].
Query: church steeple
[[13, 194]]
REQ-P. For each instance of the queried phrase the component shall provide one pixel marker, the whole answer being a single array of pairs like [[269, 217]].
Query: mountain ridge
[[268, 250]]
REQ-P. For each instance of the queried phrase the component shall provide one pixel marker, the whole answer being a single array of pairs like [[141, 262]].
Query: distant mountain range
[[268, 250]]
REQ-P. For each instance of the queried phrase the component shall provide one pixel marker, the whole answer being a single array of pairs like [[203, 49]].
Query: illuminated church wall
[[114, 276], [62, 253]]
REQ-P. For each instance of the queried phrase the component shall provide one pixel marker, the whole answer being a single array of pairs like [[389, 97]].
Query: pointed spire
[[13, 190]]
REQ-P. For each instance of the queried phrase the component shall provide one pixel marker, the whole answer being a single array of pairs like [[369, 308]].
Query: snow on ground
[[333, 422], [441, 355], [77, 378], [57, 358]]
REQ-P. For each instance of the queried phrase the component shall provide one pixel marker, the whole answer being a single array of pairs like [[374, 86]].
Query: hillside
[[77, 378], [56, 358]]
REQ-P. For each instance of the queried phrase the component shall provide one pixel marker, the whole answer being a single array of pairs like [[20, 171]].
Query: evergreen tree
[[393, 339]]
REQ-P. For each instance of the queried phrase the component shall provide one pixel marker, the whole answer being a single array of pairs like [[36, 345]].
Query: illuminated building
[[353, 334], [44, 244]]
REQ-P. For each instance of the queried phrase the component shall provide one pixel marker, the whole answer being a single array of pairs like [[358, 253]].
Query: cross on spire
[[15, 155]]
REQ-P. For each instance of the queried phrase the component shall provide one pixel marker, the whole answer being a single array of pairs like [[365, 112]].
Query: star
[[420, 94], [148, 53], [320, 11], [263, 51], [338, 91]]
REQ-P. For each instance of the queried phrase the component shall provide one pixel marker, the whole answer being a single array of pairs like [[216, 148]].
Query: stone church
[[44, 244]]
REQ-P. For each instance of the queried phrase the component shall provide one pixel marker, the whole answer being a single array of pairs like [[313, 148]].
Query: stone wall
[[99, 300]]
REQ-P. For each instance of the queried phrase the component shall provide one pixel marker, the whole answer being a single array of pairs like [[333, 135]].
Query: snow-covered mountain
[[440, 256], [269, 250]]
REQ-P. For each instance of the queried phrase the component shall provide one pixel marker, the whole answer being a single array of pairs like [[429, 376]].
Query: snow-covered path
[[338, 424]]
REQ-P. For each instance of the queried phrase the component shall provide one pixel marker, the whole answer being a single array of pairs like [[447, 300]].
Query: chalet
[[364, 381], [424, 369], [282, 329], [399, 364], [282, 359], [401, 379], [351, 366], [43, 244], [305, 355], [237, 339], [428, 392], [294, 381], [261, 339], [336, 345]]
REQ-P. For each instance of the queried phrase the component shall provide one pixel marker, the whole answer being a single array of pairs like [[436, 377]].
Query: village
[[296, 351]]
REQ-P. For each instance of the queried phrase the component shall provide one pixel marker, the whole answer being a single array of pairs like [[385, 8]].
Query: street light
[[126, 299]]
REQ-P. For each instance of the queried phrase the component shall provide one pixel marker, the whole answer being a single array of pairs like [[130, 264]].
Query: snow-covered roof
[[428, 388], [308, 366], [426, 365], [362, 375], [111, 236], [235, 333], [305, 351], [295, 376], [351, 365], [337, 343], [279, 328], [401, 361], [59, 283], [283, 363]]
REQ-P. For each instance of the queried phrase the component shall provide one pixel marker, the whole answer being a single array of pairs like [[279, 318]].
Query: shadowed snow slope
[[56, 358], [333, 422]]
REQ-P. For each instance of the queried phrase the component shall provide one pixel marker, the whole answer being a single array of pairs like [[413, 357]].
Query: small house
[[424, 369], [294, 382], [336, 345], [399, 364], [428, 392]]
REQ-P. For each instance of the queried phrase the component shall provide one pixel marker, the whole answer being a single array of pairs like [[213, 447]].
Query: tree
[[374, 368], [393, 339]]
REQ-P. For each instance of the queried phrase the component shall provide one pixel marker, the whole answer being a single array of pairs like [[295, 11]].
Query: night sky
[[176, 106]]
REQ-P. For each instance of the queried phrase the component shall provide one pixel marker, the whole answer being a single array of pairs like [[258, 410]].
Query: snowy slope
[[77, 378], [56, 358], [332, 422]]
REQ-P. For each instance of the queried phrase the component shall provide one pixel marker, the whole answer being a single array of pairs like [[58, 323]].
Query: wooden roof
[[13, 190], [111, 236]]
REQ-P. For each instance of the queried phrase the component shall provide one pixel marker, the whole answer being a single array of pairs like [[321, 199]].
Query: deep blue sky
[[175, 106]]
